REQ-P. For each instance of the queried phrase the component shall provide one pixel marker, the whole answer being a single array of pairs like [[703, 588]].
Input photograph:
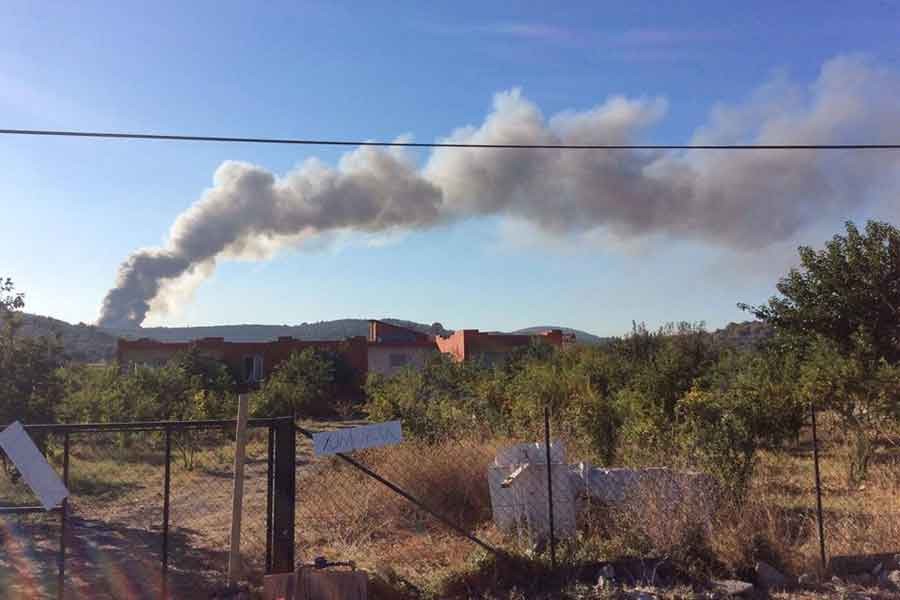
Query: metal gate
[[144, 519]]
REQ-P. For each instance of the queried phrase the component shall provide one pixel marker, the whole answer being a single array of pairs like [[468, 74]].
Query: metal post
[[812, 409], [283, 498], [165, 529], [549, 486], [270, 448], [63, 514], [237, 497]]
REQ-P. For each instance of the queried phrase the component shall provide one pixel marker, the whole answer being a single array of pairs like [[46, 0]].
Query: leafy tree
[[663, 367], [436, 402], [862, 391], [744, 403], [206, 373], [845, 301], [848, 291], [594, 411], [29, 387], [10, 300], [301, 385]]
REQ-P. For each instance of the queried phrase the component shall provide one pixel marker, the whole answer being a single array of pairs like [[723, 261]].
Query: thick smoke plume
[[741, 199]]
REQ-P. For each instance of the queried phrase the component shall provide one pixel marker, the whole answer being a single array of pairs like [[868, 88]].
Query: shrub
[[744, 404], [302, 385], [434, 403]]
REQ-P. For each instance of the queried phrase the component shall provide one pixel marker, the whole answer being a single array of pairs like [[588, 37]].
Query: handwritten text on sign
[[357, 438]]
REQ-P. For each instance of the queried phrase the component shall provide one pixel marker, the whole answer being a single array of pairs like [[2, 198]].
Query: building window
[[253, 368], [398, 360]]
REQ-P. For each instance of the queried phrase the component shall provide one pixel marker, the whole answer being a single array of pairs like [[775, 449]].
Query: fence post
[[167, 484], [64, 509], [270, 473], [815, 440], [283, 497], [237, 499], [549, 486]]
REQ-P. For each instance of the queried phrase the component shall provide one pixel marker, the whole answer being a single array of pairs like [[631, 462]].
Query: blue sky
[[74, 209]]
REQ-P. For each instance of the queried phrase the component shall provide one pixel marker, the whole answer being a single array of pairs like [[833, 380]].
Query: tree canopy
[[847, 292]]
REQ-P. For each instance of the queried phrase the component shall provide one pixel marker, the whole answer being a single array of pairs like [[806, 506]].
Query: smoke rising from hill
[[741, 199]]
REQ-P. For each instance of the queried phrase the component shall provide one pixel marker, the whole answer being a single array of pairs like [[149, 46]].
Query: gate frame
[[280, 485]]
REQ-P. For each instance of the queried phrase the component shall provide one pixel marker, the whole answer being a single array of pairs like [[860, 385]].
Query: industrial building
[[387, 349]]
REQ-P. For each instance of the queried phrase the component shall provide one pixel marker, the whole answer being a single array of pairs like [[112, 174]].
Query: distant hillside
[[88, 343], [734, 335], [743, 335], [581, 337], [338, 329], [83, 343]]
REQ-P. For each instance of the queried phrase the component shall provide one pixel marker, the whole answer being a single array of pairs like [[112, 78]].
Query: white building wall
[[384, 359]]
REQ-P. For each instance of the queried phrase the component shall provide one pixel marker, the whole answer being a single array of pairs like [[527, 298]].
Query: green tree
[[10, 300], [30, 389], [746, 402], [864, 392], [205, 373], [845, 301], [849, 290], [301, 385], [441, 400], [662, 369]]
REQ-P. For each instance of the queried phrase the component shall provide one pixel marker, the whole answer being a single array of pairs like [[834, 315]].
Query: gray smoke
[[745, 199]]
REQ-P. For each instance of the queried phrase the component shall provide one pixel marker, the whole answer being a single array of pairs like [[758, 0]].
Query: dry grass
[[776, 522], [857, 519], [344, 514]]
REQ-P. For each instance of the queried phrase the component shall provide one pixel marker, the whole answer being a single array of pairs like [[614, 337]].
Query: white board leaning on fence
[[357, 438], [35, 469]]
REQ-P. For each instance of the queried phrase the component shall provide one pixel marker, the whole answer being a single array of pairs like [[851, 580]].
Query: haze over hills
[[89, 343]]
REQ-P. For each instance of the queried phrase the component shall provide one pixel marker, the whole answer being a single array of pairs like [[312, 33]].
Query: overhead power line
[[315, 142]]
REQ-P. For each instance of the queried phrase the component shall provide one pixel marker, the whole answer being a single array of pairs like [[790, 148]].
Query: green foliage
[[188, 387], [744, 403], [171, 392], [863, 391], [660, 368], [29, 386], [848, 291], [436, 402], [844, 304], [302, 385], [30, 389], [10, 300]]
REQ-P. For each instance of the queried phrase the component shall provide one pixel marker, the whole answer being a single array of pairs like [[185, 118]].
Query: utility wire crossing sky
[[398, 144], [663, 165]]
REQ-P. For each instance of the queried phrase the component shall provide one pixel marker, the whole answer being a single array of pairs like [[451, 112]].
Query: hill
[[88, 343], [743, 335], [338, 329], [581, 337], [83, 343]]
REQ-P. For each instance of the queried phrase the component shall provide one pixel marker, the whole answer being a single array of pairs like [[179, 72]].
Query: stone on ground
[[769, 577], [733, 587]]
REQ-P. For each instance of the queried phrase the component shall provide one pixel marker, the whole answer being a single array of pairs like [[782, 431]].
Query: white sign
[[357, 438], [35, 469]]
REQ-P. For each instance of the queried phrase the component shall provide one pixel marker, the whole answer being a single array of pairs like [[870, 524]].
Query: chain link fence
[[145, 516], [415, 511]]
